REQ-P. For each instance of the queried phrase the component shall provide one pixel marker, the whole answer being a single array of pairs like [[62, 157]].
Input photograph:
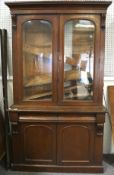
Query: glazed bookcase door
[[37, 58], [79, 54]]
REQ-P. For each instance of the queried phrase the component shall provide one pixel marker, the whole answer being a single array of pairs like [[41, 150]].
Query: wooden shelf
[[43, 79], [45, 49]]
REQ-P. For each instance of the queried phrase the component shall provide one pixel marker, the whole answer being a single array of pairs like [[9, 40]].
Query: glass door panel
[[37, 60], [79, 36]]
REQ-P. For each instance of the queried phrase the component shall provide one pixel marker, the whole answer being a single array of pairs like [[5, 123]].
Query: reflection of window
[[78, 58], [43, 64], [37, 59], [84, 24]]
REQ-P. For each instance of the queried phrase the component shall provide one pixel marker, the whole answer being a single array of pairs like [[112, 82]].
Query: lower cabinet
[[56, 142]]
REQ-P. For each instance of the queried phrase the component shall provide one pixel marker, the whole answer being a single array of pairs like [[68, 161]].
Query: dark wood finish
[[41, 151], [57, 135], [28, 11], [69, 140]]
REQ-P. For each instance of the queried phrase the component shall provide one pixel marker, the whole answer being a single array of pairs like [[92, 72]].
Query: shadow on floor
[[109, 158]]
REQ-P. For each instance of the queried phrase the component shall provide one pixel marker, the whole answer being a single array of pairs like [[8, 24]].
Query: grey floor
[[108, 170]]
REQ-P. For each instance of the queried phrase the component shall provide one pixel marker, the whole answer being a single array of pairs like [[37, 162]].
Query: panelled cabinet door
[[75, 144], [79, 53], [37, 59], [39, 143], [34, 143]]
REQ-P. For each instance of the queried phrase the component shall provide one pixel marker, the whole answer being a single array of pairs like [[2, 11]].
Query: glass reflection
[[78, 59], [37, 60]]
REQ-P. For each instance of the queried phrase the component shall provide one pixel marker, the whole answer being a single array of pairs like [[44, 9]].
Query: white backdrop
[[5, 23]]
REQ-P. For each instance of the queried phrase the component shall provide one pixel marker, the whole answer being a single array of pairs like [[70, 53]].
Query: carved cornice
[[80, 2]]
